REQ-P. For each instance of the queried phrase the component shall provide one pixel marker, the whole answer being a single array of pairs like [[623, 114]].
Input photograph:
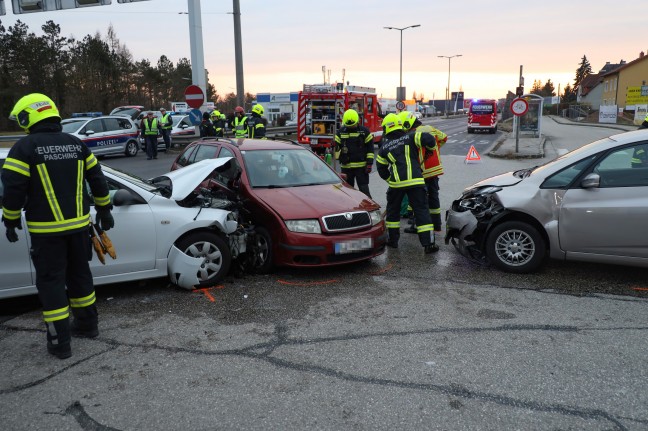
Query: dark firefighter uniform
[[356, 154], [256, 123], [46, 172], [398, 163], [218, 123]]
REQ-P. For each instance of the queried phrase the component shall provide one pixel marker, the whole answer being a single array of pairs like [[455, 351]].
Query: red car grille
[[347, 221]]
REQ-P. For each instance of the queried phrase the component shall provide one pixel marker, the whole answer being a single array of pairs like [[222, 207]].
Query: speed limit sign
[[519, 106]]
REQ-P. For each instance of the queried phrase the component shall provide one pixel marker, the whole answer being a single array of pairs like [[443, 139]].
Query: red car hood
[[310, 202]]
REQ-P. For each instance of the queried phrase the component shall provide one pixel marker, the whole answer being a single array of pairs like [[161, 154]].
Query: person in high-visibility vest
[[166, 124], [150, 133], [644, 125], [238, 123], [256, 124], [47, 173]]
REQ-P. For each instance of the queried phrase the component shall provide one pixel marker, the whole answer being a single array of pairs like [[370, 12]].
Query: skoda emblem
[[348, 216]]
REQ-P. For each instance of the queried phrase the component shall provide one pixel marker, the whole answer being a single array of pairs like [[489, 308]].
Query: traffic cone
[[472, 156]]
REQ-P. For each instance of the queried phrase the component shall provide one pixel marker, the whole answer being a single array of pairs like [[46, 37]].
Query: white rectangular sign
[[608, 114]]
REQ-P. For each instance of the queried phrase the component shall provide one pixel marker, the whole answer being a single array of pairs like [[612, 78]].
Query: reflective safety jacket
[[256, 127], [46, 173], [150, 127], [398, 158], [239, 125], [354, 147], [166, 122], [219, 127], [431, 160], [639, 157]]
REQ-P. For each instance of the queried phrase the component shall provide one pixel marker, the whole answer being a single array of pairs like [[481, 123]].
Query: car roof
[[254, 144]]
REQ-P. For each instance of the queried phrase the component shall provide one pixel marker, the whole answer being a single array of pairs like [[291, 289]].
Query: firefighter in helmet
[[217, 122], [238, 123], [256, 123], [354, 148], [46, 173], [430, 164], [398, 164]]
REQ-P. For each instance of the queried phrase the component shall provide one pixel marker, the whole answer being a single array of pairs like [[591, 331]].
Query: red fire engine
[[321, 107]]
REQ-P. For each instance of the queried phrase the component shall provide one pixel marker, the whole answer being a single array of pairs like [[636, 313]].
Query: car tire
[[261, 259], [470, 130], [131, 149], [516, 247], [214, 248]]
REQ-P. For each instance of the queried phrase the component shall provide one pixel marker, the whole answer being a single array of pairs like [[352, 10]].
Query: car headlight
[[480, 200], [376, 217], [304, 226]]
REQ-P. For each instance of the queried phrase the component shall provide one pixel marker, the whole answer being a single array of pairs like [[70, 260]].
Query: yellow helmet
[[215, 114], [407, 118], [33, 108], [350, 118], [257, 109], [391, 122]]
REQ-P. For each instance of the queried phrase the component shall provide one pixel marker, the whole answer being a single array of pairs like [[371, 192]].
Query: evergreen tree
[[537, 87], [569, 95], [583, 70], [548, 89]]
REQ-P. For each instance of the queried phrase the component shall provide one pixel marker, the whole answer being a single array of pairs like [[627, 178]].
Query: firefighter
[[256, 123], [398, 164], [217, 122], [45, 172], [354, 148], [238, 123], [206, 127], [431, 166], [166, 124], [644, 125]]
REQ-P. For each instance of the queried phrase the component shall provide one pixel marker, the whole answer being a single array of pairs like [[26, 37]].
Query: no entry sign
[[194, 96]]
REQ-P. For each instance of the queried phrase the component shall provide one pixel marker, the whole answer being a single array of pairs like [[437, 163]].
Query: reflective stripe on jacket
[[398, 158], [358, 144], [431, 160]]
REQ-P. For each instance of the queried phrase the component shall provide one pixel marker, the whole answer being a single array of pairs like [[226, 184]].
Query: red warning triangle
[[472, 156]]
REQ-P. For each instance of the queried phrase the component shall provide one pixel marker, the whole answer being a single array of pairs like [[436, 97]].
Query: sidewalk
[[534, 147]]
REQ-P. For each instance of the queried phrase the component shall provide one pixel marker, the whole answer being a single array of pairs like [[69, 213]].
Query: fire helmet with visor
[[33, 108]]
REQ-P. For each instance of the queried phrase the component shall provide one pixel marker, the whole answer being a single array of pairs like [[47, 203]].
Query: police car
[[106, 135]]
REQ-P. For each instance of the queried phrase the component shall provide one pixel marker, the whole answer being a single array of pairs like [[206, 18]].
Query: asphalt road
[[406, 341]]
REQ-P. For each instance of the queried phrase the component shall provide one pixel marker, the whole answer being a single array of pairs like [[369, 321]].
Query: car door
[[609, 219], [15, 263], [94, 133], [134, 237], [114, 137]]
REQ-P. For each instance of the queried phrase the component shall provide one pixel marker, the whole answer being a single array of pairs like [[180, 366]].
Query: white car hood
[[185, 180], [502, 180]]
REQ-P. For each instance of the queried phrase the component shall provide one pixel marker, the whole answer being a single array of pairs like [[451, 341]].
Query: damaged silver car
[[590, 205]]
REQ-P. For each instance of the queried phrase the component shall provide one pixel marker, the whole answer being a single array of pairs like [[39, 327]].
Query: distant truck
[[482, 115]]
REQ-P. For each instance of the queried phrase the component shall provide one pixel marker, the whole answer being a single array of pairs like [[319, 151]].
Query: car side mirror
[[123, 197], [89, 132], [591, 181]]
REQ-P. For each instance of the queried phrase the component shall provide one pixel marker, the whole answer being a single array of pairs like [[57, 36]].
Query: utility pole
[[238, 54], [518, 118], [196, 45]]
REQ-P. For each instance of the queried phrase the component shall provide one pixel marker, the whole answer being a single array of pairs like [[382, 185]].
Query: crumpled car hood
[[185, 180], [310, 202]]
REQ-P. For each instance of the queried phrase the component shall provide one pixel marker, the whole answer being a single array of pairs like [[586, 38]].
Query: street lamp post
[[401, 92], [448, 89]]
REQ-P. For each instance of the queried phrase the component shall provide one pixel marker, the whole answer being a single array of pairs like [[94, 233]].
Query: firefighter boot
[[86, 322], [431, 247], [58, 338], [393, 236]]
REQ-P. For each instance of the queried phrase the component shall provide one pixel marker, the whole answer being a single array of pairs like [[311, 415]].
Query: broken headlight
[[480, 201]]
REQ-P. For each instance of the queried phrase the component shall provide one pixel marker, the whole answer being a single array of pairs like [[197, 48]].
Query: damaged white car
[[588, 205], [162, 228]]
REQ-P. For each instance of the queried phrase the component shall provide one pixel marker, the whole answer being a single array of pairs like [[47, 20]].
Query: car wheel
[[515, 246], [131, 149], [214, 250], [261, 249], [470, 130]]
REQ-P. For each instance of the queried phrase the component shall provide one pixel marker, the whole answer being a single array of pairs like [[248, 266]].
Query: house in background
[[626, 86]]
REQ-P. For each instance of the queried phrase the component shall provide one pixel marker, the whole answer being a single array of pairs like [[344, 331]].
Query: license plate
[[314, 141], [353, 245]]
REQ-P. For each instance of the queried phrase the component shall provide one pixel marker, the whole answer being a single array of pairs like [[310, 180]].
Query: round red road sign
[[194, 96], [519, 106]]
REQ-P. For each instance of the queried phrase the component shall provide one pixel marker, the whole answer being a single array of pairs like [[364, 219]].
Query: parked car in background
[[178, 235], [305, 215], [182, 127], [133, 112], [107, 135], [291, 123], [590, 204]]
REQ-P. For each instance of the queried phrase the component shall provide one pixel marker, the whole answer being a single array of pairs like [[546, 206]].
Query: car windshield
[[287, 168], [176, 119], [71, 126]]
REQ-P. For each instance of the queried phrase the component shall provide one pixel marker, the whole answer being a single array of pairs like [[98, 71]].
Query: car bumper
[[462, 231], [305, 250]]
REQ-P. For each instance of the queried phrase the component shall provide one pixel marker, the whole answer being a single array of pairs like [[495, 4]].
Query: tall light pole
[[400, 92], [449, 57]]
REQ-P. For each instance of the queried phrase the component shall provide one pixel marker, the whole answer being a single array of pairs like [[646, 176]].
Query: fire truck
[[321, 107]]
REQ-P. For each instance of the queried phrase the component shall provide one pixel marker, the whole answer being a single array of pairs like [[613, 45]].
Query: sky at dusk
[[286, 42]]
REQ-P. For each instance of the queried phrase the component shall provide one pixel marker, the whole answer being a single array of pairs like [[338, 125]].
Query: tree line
[[96, 73]]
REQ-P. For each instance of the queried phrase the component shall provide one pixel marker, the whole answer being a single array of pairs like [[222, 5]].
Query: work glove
[[369, 168], [105, 220], [11, 226]]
